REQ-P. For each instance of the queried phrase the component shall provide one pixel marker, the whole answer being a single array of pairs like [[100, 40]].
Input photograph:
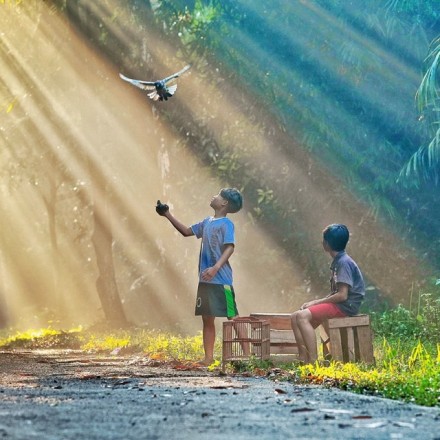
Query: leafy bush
[[396, 323], [422, 322]]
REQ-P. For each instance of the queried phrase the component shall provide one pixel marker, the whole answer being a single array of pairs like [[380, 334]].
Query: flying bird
[[160, 89]]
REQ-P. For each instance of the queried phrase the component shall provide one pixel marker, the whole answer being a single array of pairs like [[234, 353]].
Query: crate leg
[[336, 344], [365, 345]]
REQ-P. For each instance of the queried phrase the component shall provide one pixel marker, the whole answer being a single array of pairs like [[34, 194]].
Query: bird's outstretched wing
[[176, 75], [144, 85]]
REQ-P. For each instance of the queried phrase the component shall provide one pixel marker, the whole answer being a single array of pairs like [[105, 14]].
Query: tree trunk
[[106, 286]]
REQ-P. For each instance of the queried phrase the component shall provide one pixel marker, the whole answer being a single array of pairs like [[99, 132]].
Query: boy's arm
[[184, 230], [340, 296], [209, 273]]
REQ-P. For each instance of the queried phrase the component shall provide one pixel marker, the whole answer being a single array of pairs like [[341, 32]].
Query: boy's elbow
[[187, 232]]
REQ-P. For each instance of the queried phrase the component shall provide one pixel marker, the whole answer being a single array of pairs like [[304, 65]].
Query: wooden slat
[[336, 345], [282, 339], [282, 336], [277, 321], [349, 321]]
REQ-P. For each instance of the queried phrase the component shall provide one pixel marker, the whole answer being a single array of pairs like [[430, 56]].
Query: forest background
[[309, 107]]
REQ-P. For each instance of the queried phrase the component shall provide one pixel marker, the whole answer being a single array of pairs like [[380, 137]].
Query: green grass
[[151, 343], [408, 376]]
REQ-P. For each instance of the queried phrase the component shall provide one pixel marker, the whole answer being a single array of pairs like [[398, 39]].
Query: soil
[[60, 395]]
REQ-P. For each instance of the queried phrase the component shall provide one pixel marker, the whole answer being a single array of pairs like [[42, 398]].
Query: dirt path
[[55, 395]]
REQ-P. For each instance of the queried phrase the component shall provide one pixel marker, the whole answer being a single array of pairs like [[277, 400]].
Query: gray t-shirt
[[215, 233], [345, 270]]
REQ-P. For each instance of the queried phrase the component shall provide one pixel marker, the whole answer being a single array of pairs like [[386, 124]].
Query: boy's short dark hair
[[234, 198], [336, 236]]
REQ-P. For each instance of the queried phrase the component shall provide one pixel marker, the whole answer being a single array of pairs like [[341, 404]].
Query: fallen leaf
[[304, 409], [279, 391]]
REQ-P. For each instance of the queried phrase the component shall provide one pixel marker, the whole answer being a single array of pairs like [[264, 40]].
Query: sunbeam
[[84, 150]]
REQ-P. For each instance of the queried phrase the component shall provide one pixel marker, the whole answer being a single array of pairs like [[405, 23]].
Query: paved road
[[65, 397]]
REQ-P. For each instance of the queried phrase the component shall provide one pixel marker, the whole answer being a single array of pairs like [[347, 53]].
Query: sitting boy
[[346, 294]]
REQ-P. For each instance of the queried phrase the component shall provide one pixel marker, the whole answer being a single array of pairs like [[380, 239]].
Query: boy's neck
[[220, 213], [334, 253]]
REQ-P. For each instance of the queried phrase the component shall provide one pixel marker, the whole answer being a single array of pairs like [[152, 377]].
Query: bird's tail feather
[[172, 89], [154, 95]]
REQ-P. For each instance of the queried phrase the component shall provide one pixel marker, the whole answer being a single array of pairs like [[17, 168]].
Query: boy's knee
[[302, 315], [294, 317]]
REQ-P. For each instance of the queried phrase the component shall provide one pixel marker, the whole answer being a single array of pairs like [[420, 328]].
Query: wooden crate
[[350, 339], [245, 337], [282, 339]]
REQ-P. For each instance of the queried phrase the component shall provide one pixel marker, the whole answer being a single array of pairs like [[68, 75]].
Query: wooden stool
[[282, 339], [350, 339]]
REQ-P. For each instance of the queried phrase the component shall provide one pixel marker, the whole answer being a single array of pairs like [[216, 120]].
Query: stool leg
[[336, 344], [365, 345]]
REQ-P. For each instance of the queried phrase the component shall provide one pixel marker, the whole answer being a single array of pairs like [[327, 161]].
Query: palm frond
[[428, 90], [424, 162]]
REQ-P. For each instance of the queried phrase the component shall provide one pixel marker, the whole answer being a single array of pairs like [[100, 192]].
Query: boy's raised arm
[[164, 211]]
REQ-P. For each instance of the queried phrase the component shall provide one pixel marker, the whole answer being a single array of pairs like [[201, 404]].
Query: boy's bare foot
[[205, 362]]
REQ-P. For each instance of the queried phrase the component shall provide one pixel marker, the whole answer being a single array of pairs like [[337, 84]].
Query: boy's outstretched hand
[[161, 208]]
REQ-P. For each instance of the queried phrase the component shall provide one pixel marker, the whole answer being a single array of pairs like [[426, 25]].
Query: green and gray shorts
[[216, 300]]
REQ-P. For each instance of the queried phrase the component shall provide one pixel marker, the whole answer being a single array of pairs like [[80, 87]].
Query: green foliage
[[43, 338], [156, 344], [425, 161], [153, 343], [397, 322], [188, 24], [252, 365], [411, 378], [420, 322]]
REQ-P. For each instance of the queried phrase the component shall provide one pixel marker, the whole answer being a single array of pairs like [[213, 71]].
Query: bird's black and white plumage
[[160, 89]]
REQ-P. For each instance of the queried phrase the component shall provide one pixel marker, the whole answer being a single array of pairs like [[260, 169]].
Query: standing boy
[[346, 294], [215, 294]]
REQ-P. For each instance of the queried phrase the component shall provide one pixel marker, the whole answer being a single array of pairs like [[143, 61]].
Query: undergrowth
[[151, 343]]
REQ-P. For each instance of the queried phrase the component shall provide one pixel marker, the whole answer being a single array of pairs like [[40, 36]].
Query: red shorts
[[321, 312]]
